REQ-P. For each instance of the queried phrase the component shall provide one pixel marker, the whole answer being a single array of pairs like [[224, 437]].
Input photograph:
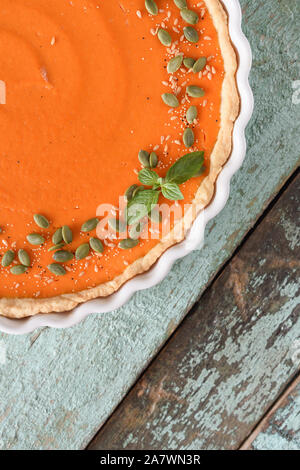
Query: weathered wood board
[[280, 429], [232, 355], [58, 387]]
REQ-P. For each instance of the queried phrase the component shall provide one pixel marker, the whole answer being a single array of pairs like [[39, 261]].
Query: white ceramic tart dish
[[158, 263]]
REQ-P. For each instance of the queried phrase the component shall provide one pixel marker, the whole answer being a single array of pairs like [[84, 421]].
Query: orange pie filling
[[83, 81]]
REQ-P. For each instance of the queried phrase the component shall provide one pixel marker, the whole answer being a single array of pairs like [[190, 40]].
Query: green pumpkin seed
[[18, 269], [188, 137], [189, 16], [117, 225], [67, 234], [155, 215], [63, 256], [57, 237], [128, 244], [8, 258], [144, 158], [151, 7], [129, 192], [195, 91], [90, 225], [200, 172], [57, 247], [180, 3], [136, 230], [35, 239], [24, 258], [170, 100], [175, 64], [41, 221], [191, 114], [137, 190], [190, 34], [199, 64], [188, 62], [96, 245], [164, 37], [153, 160], [57, 269], [82, 251]]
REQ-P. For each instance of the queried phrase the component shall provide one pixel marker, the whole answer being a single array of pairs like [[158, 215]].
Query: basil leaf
[[185, 168], [148, 177], [141, 205], [171, 191]]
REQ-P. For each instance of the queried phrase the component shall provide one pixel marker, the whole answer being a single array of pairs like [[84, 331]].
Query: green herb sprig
[[181, 171]]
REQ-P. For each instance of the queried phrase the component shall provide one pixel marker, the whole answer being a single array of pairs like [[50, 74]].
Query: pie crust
[[25, 307]]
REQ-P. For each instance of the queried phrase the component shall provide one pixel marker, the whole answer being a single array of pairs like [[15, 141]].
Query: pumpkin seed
[[57, 269], [189, 16], [195, 91], [144, 158], [62, 256], [117, 225], [164, 37], [188, 62], [41, 221], [90, 225], [200, 172], [96, 245], [8, 258], [190, 34], [82, 251], [191, 114], [57, 237], [57, 247], [170, 100], [136, 230], [155, 215], [188, 137], [128, 244], [175, 64], [129, 192], [35, 239], [67, 234], [180, 3], [137, 190], [24, 258], [153, 160], [18, 269], [199, 64], [151, 7]]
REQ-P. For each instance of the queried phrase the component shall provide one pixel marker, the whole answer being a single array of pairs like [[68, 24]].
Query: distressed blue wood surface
[[227, 363], [282, 430], [58, 387]]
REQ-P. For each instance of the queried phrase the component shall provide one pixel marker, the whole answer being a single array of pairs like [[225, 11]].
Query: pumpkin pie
[[102, 102]]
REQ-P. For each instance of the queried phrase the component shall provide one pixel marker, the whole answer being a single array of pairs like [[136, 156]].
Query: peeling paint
[[222, 370]]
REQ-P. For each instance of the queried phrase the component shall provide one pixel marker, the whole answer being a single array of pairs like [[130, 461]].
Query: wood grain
[[230, 358], [280, 428], [58, 387]]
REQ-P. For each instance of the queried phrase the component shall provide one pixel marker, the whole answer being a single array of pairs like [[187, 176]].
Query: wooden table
[[209, 359]]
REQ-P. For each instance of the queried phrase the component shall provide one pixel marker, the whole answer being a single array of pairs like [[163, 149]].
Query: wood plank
[[58, 387], [230, 358], [280, 428]]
